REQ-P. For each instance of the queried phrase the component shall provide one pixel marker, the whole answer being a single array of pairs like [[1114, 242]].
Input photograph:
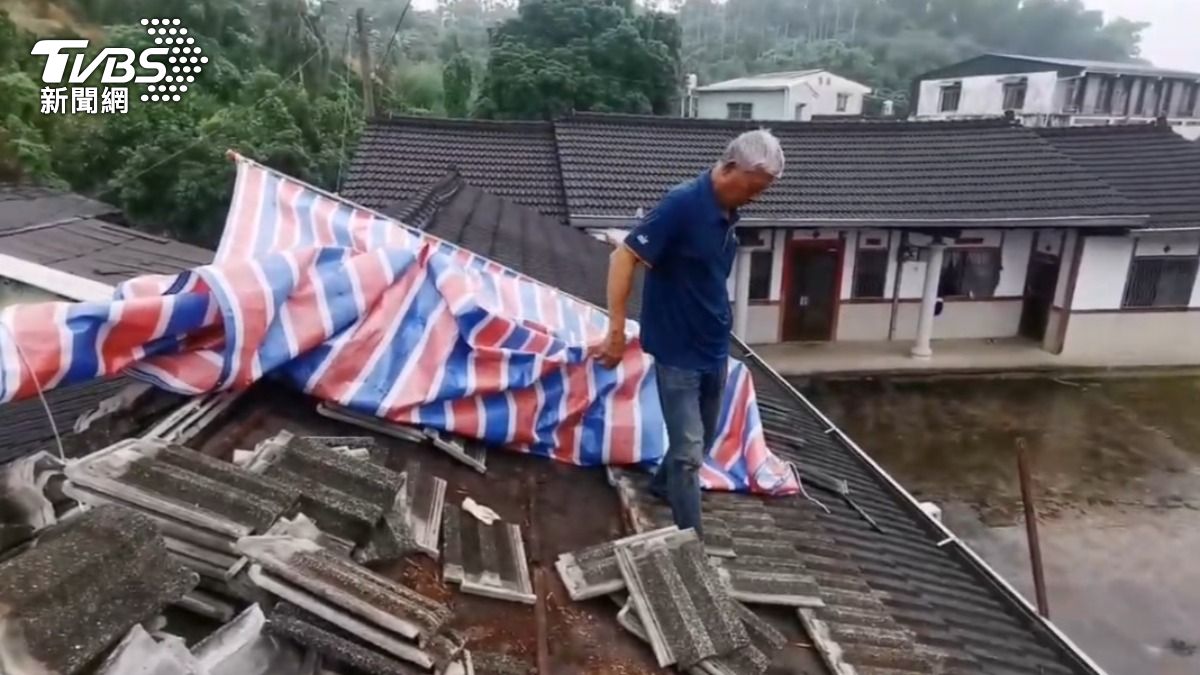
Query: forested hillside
[[283, 83]]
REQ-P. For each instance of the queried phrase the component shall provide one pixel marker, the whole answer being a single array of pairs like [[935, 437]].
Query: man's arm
[[646, 244], [621, 266]]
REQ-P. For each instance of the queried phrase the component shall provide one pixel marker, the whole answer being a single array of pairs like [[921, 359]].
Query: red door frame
[[792, 245]]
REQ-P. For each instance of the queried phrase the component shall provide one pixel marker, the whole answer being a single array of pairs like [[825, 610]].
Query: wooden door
[[810, 293], [1040, 283]]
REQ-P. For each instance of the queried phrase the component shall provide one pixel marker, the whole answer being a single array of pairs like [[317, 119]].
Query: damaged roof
[[1151, 165], [884, 593], [936, 602], [604, 167]]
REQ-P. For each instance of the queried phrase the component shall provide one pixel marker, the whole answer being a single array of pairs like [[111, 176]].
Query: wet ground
[[1117, 473]]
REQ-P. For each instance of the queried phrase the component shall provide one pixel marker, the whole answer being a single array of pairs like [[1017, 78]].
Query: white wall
[[762, 326], [768, 105], [818, 92], [984, 95], [1133, 338], [1100, 282], [966, 319]]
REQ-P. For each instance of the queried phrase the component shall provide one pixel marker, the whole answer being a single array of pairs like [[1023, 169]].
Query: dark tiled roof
[[1156, 168], [26, 428], [25, 205], [982, 170], [101, 251], [397, 157], [513, 235]]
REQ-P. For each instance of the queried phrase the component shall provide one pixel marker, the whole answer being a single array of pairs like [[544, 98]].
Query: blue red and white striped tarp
[[355, 308]]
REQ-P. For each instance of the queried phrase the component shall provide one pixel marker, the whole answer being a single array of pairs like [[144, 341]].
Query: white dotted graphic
[[184, 58]]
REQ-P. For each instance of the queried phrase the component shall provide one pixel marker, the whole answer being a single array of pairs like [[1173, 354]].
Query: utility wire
[[346, 106]]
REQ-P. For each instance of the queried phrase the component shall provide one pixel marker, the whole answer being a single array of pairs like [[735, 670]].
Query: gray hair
[[758, 149]]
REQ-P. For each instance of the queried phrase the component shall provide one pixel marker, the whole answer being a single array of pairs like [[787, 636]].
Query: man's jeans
[[691, 405]]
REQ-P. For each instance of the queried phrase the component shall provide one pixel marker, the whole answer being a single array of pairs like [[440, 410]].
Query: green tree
[[886, 43], [561, 55], [456, 83]]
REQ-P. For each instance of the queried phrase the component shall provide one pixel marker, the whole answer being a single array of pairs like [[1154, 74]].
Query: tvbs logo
[[166, 69]]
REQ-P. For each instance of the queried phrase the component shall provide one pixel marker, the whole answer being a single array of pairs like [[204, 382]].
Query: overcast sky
[[1171, 41]]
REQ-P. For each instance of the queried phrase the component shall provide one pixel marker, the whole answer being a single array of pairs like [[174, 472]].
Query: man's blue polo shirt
[[687, 241]]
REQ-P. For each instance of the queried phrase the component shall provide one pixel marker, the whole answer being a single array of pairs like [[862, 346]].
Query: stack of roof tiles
[[394, 619], [202, 504]]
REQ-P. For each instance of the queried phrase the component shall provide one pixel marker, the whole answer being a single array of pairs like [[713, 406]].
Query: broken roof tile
[[333, 643], [681, 603], [426, 502], [184, 485], [593, 571], [341, 582], [486, 559], [83, 586]]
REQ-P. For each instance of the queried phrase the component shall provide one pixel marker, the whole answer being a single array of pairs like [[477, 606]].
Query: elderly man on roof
[[688, 246]]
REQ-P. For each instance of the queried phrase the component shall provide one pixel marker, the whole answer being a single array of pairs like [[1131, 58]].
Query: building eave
[[1109, 221]]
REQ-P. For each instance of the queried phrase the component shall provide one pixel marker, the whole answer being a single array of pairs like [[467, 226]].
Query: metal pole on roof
[[364, 64], [1035, 547]]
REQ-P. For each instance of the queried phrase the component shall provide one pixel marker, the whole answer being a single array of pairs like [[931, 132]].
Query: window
[[1160, 282], [1139, 108], [970, 273], [760, 274], [740, 111], [870, 272], [800, 112], [843, 102], [951, 93], [1014, 95], [1189, 108]]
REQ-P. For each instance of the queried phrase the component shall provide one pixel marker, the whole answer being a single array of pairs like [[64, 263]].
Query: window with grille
[[760, 275], [1014, 95], [951, 94], [870, 273], [970, 273], [843, 102], [1160, 282], [739, 111]]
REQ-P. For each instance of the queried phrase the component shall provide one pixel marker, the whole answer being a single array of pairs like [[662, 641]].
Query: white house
[[1081, 240], [796, 95], [1045, 91]]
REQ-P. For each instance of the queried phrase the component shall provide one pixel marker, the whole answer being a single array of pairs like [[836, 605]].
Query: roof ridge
[[460, 123], [419, 209], [863, 123]]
